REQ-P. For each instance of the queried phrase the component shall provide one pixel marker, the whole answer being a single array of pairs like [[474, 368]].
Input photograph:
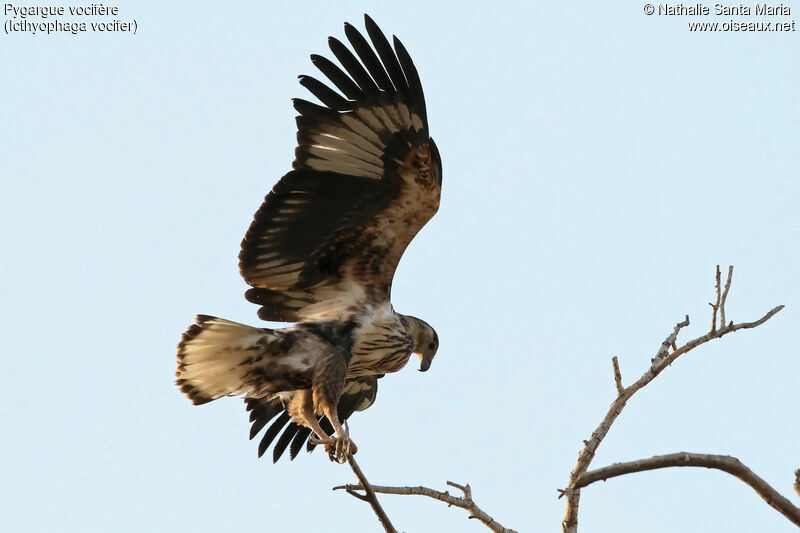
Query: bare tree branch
[[617, 375], [725, 295], [368, 496], [465, 502], [715, 306], [718, 308], [662, 360], [731, 465]]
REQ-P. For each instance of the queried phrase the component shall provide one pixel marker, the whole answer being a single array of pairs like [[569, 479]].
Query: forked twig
[[368, 496], [466, 502]]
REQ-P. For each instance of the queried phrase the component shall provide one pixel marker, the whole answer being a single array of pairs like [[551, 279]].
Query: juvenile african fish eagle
[[321, 252]]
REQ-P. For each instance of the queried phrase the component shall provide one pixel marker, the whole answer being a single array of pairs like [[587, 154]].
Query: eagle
[[321, 253]]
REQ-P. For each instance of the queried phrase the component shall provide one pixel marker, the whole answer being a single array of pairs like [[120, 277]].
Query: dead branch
[[725, 295], [617, 375], [715, 306], [662, 360], [731, 465], [466, 502], [718, 308], [368, 496]]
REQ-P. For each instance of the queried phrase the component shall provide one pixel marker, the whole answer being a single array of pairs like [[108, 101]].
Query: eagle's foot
[[339, 450], [316, 441]]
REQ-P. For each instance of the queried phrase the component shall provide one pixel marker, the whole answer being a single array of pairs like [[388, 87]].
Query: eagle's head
[[426, 341]]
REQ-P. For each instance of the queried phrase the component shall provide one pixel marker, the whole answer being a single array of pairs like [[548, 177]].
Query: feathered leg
[[326, 388], [301, 409]]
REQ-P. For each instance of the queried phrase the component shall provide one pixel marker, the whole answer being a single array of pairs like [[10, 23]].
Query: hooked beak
[[424, 363]]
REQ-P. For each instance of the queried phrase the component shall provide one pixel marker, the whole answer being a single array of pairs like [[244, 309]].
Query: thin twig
[[369, 495], [464, 503], [361, 497], [725, 297], [715, 306], [662, 360], [466, 489], [731, 465], [669, 342], [617, 375]]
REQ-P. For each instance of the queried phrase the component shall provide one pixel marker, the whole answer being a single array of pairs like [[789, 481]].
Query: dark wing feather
[[261, 412], [284, 441], [358, 394], [339, 78], [353, 67], [414, 85], [365, 167], [326, 95], [368, 58], [272, 432], [298, 441], [388, 57]]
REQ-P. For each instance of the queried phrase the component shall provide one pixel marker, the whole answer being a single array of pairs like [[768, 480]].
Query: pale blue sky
[[598, 163]]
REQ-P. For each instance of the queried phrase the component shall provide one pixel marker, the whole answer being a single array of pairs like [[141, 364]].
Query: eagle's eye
[[432, 345]]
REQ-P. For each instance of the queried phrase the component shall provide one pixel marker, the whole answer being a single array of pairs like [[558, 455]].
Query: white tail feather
[[214, 357]]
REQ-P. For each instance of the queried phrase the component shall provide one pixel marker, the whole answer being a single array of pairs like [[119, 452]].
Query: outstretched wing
[[358, 394], [366, 178]]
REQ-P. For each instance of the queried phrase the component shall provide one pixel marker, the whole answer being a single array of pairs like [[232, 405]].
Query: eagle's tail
[[215, 356]]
